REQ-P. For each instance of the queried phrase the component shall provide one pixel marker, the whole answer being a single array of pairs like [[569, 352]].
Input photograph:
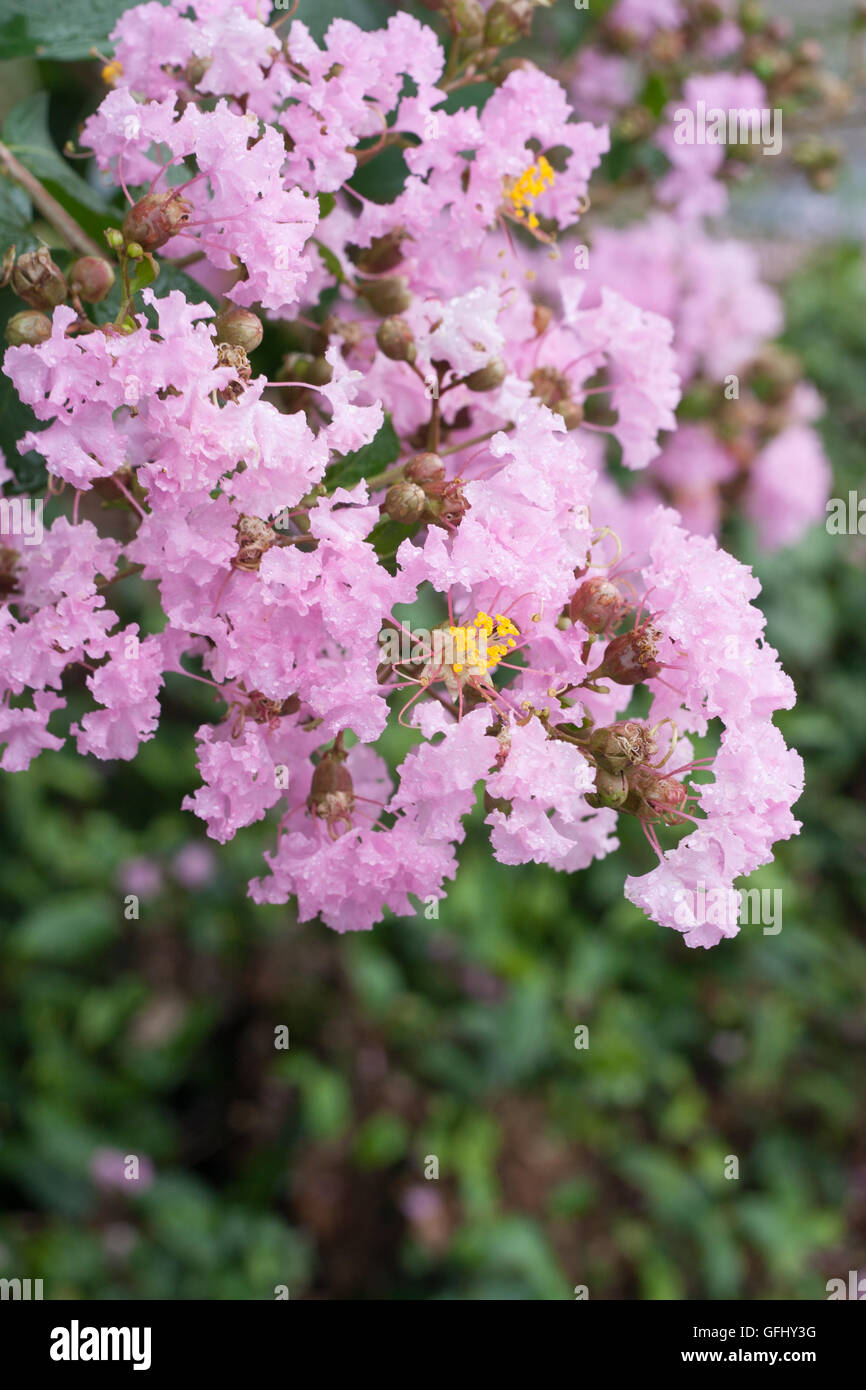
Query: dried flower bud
[[230, 356], [155, 219], [239, 327], [446, 505], [396, 340], [196, 69], [621, 746], [28, 328], [91, 279], [631, 657], [388, 296], [405, 502], [428, 470], [255, 538], [598, 604], [651, 796], [38, 281], [488, 377], [332, 794]]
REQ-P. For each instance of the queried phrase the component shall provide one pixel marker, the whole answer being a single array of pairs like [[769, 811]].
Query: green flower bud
[[29, 327], [396, 339], [239, 327], [488, 377], [388, 296]]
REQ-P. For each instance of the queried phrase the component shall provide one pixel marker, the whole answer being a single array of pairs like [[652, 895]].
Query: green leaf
[[16, 215], [46, 29], [27, 135], [386, 538], [380, 453], [66, 927]]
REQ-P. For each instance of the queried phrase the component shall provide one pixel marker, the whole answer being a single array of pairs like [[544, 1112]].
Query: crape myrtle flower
[[445, 333]]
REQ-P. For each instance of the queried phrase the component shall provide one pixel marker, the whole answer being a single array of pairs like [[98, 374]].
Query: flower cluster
[[433, 442], [745, 405]]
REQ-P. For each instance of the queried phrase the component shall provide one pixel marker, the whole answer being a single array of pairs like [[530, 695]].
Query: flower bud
[[427, 470], [388, 296], [488, 377], [196, 69], [255, 538], [28, 328], [598, 604], [91, 279], [507, 22], [469, 18], [239, 327], [631, 658], [611, 789], [38, 281], [396, 339], [405, 502], [155, 219]]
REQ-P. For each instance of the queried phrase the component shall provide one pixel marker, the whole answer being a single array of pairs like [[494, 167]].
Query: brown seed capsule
[[239, 327], [29, 327], [396, 339], [155, 219], [255, 538], [405, 502], [651, 796], [598, 604], [38, 281], [488, 377], [332, 794], [427, 470], [388, 296], [631, 657], [620, 746], [91, 279]]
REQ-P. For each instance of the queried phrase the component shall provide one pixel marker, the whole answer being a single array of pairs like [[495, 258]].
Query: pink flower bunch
[[431, 448]]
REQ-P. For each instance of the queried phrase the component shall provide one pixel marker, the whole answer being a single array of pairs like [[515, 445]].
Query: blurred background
[[308, 1168]]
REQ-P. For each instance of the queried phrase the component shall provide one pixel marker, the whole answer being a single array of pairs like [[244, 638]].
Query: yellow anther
[[111, 72]]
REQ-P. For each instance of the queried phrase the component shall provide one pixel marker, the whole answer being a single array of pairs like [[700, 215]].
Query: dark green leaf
[[45, 29], [26, 133], [373, 458]]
